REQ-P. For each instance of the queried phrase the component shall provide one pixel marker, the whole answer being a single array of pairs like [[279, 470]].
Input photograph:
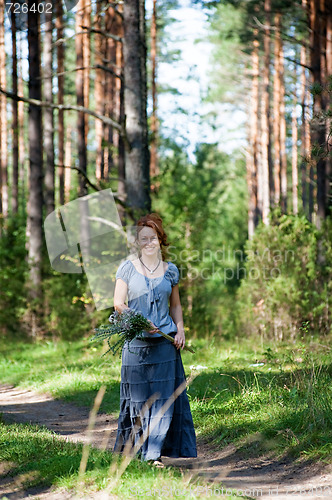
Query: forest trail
[[253, 478]]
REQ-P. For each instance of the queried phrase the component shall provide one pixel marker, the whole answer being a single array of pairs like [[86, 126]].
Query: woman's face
[[148, 242]]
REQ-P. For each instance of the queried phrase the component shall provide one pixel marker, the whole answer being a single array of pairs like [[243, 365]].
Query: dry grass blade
[[91, 424]]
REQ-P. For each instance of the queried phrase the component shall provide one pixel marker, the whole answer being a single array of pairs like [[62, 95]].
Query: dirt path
[[254, 478]]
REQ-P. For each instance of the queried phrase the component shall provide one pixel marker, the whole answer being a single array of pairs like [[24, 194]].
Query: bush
[[287, 284]]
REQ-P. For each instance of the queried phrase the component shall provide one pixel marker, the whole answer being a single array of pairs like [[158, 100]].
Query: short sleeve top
[[150, 296]]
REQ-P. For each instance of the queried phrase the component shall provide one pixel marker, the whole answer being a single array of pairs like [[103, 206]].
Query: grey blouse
[[150, 296]]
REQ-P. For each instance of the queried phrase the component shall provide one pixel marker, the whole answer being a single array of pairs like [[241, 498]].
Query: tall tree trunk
[[328, 14], [60, 67], [120, 107], [21, 142], [265, 117], [48, 116], [15, 117], [276, 108], [318, 131], [99, 90], [253, 214], [283, 134], [154, 117], [86, 60], [82, 158], [109, 92], [3, 117], [305, 124], [143, 58], [295, 180], [35, 203], [135, 102], [68, 165]]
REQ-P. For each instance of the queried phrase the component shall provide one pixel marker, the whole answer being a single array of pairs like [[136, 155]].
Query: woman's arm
[[120, 294], [175, 310]]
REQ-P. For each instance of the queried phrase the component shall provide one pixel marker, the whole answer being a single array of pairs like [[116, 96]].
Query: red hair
[[155, 222]]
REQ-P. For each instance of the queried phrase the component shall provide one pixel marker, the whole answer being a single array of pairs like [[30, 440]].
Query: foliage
[[288, 279], [203, 206], [69, 310], [128, 325], [13, 273]]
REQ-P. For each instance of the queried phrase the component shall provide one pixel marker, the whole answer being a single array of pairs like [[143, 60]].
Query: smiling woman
[[152, 367]]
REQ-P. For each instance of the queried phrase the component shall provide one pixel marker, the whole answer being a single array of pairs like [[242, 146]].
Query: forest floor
[[262, 477]]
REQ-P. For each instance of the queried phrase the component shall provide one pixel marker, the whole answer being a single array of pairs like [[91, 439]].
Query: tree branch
[[103, 32], [97, 66], [65, 107], [107, 35]]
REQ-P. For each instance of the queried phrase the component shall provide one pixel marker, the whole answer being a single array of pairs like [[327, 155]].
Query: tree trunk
[[35, 203], [81, 144], [21, 143], [138, 198], [86, 60], [276, 109], [154, 117], [295, 180], [283, 134], [3, 117], [60, 68], [318, 130], [68, 165], [265, 117], [48, 116], [305, 124], [120, 107], [15, 117], [253, 214], [110, 92], [99, 90], [328, 14]]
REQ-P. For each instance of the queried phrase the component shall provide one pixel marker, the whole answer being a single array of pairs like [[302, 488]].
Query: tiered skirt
[[153, 368]]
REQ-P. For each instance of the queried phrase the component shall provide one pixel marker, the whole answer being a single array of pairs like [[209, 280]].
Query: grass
[[264, 398], [37, 457]]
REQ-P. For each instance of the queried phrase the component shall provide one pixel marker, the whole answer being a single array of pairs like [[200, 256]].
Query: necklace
[[150, 270]]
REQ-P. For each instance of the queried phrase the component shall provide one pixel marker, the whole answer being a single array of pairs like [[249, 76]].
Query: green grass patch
[[36, 456], [273, 398]]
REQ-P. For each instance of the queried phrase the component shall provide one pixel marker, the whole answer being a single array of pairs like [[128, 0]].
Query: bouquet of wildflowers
[[127, 325]]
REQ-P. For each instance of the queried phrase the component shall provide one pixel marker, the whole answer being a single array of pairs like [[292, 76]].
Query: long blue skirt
[[154, 367]]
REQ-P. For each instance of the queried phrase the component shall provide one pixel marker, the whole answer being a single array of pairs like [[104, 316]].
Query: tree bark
[[81, 144], [283, 134], [60, 70], [48, 115], [154, 117], [68, 165], [318, 130], [305, 124], [99, 91], [3, 118], [86, 61], [265, 118], [295, 180], [253, 213], [138, 198], [15, 127], [35, 203], [276, 108]]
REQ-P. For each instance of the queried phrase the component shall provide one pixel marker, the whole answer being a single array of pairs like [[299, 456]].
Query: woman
[[153, 365]]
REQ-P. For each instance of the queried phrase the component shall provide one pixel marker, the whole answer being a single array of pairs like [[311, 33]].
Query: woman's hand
[[154, 329], [179, 340]]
